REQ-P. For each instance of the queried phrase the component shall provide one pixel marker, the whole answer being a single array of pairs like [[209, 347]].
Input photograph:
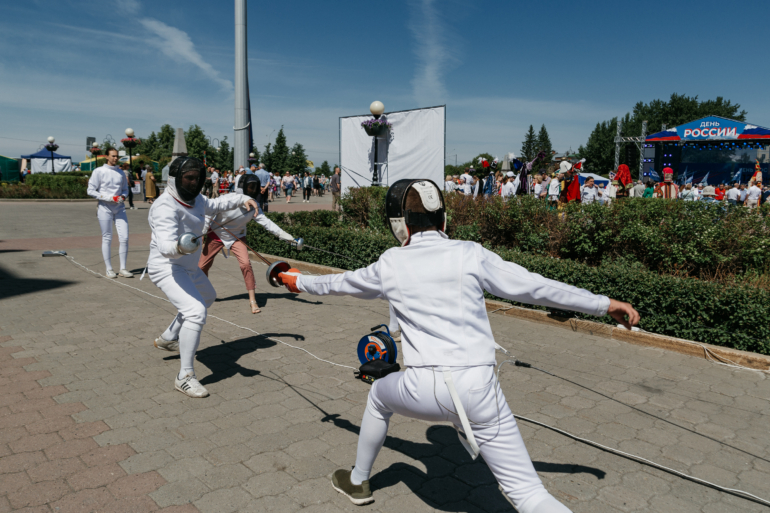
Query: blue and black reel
[[377, 353]]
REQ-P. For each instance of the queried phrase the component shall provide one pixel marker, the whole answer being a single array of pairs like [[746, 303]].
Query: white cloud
[[177, 44], [128, 6], [433, 57]]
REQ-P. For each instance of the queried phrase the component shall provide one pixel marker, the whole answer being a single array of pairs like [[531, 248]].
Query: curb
[[596, 329]]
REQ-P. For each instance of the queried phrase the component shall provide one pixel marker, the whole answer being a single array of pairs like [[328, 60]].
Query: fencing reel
[[377, 353]]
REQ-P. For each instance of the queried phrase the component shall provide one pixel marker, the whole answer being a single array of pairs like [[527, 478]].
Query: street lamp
[[129, 143], [52, 146], [95, 151], [376, 108]]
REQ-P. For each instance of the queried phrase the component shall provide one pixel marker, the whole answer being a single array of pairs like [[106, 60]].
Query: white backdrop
[[414, 148], [44, 165]]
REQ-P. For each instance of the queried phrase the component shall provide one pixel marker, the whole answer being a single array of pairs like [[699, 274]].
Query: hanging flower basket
[[95, 150], [51, 147], [130, 142], [376, 127]]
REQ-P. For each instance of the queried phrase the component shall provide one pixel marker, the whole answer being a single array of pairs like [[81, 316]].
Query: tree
[[599, 151], [325, 169], [223, 158], [255, 151], [297, 161], [165, 142], [267, 158], [544, 144], [477, 165], [280, 153], [529, 146], [196, 141]]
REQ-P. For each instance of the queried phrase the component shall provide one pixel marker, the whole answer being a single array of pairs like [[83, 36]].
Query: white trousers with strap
[[422, 393], [107, 214]]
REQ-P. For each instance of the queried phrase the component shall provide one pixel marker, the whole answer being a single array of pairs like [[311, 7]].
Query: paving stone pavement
[[89, 419]]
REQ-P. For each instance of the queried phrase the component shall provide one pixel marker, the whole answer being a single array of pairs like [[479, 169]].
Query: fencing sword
[[300, 244]]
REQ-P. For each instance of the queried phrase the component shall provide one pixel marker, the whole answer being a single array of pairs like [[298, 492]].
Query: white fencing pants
[[191, 292], [108, 214], [411, 394]]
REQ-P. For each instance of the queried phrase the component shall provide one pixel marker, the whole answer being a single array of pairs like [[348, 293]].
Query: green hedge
[[45, 186], [735, 316], [670, 237]]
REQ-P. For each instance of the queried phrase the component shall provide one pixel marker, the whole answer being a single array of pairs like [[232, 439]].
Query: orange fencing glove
[[289, 279]]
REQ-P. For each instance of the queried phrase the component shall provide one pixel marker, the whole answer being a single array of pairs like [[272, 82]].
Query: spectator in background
[[649, 190], [467, 181], [733, 195], [688, 194], [214, 183], [263, 198], [151, 191], [698, 192], [336, 187], [708, 195], [765, 195], [307, 187], [554, 189], [143, 175], [509, 188], [744, 193], [540, 191], [130, 179], [449, 184], [753, 194], [590, 191], [287, 184], [317, 185], [719, 192], [639, 189]]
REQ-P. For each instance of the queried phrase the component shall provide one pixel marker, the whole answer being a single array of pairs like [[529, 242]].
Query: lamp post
[[130, 143], [52, 146], [95, 151], [376, 108]]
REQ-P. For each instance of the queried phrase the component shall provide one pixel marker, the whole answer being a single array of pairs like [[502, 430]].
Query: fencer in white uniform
[[436, 287], [173, 267], [227, 233], [108, 184]]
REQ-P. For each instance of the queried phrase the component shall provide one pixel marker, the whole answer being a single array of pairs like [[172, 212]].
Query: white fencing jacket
[[436, 287], [106, 182], [169, 219], [236, 221]]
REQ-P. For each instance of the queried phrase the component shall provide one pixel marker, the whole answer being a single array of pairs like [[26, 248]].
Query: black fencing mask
[[251, 186], [189, 177]]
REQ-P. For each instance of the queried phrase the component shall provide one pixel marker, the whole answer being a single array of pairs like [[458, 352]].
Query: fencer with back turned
[[436, 288], [173, 263]]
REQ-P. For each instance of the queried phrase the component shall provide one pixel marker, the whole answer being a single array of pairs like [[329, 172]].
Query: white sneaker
[[166, 345], [190, 386], [125, 273], [110, 274]]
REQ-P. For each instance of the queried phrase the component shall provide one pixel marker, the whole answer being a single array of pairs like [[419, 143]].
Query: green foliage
[[45, 186], [364, 207], [543, 144], [279, 154], [477, 165], [599, 151], [529, 146], [325, 169], [297, 160]]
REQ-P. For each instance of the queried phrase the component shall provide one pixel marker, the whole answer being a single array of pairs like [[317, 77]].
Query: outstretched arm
[[362, 283], [273, 228], [511, 281]]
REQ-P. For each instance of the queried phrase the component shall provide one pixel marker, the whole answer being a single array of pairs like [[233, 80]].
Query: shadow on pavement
[[262, 298], [11, 285]]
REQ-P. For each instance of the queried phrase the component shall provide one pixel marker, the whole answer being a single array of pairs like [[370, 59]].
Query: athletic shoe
[[190, 386], [110, 274], [166, 345], [125, 273], [358, 494]]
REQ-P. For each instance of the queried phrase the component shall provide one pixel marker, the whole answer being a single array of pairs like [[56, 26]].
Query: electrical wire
[[639, 459]]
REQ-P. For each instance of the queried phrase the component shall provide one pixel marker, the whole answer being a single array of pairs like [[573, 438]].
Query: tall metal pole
[[617, 144], [641, 149], [374, 173], [242, 126], [53, 171]]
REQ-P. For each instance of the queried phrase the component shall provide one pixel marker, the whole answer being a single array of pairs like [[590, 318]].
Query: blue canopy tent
[[710, 150], [41, 162]]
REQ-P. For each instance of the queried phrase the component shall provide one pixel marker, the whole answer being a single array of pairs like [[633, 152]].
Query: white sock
[[189, 339], [172, 332], [370, 440]]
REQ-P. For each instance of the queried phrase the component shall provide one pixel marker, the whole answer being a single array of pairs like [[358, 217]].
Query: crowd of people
[[288, 185], [551, 188]]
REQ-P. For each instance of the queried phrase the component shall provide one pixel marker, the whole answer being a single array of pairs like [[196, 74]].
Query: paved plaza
[[90, 420]]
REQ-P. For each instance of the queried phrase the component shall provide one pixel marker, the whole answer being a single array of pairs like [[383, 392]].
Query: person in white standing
[[590, 191], [554, 190], [109, 185], [753, 195], [173, 267], [509, 187], [449, 184], [436, 288]]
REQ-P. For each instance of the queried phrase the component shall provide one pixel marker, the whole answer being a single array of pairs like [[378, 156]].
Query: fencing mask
[[189, 176], [433, 212], [250, 186]]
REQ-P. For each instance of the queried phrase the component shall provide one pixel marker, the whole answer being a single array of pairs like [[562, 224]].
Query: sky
[[78, 68]]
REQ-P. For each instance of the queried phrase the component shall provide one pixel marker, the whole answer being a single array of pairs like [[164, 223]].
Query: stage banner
[[413, 148], [712, 128]]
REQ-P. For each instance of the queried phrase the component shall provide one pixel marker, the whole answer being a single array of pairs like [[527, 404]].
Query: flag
[[705, 180], [737, 176], [654, 175]]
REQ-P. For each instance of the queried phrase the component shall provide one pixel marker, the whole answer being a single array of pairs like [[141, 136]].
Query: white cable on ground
[[639, 459], [71, 259]]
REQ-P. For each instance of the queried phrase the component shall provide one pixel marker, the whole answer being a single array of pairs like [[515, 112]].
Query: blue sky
[[78, 68]]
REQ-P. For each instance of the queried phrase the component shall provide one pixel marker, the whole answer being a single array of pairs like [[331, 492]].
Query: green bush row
[[670, 237], [727, 315], [63, 185]]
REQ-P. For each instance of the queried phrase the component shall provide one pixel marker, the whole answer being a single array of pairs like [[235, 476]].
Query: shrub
[[731, 315], [63, 186]]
